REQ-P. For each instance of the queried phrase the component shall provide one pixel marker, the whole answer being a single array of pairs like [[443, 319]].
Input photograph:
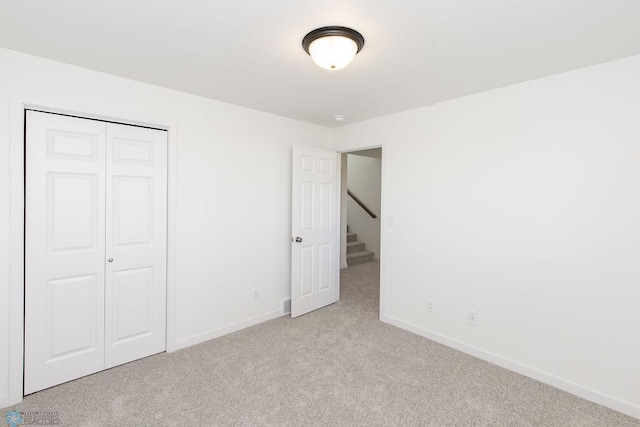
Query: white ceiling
[[248, 52]]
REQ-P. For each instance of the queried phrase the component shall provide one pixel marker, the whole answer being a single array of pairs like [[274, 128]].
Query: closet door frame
[[19, 105]]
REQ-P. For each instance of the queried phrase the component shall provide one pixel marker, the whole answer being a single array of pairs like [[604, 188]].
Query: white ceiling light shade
[[333, 52], [333, 48]]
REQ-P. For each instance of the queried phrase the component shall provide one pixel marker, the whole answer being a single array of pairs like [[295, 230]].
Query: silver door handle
[[298, 239], [110, 259]]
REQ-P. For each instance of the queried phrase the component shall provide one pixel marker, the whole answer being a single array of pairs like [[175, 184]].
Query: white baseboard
[[206, 336], [4, 401], [568, 386]]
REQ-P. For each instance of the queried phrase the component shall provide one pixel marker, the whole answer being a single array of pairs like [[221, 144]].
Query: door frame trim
[[18, 105]]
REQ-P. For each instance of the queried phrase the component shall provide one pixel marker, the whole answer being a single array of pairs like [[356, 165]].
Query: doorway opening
[[361, 209]]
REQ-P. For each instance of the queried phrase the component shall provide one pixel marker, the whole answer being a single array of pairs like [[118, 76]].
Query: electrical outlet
[[472, 318], [256, 293], [430, 305]]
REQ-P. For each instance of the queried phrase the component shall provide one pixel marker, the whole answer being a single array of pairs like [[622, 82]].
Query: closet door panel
[[136, 243], [65, 249]]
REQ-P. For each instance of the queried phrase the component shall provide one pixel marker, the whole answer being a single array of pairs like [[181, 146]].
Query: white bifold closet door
[[136, 241], [95, 283]]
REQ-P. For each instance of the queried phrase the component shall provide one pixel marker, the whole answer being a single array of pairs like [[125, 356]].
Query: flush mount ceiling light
[[333, 48]]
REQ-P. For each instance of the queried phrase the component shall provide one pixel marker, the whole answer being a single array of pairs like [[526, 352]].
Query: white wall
[[363, 179], [233, 186], [521, 203]]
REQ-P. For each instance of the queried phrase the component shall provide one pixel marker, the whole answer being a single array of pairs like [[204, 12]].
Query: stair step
[[351, 237], [355, 247], [359, 257]]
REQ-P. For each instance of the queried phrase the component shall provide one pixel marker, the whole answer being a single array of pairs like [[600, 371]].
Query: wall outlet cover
[[430, 305], [472, 318]]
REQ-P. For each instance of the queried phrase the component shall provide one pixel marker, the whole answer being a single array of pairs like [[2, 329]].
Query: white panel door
[[136, 243], [65, 249], [315, 253]]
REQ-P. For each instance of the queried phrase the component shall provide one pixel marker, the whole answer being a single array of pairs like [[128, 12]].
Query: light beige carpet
[[338, 366]]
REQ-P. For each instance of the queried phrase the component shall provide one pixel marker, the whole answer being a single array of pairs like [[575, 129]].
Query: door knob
[[110, 259], [298, 239]]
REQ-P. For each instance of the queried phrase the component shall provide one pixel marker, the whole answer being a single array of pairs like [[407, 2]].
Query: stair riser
[[360, 260], [357, 258], [351, 237], [357, 247]]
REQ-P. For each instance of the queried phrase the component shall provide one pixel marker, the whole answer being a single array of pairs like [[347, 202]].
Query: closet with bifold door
[[95, 246]]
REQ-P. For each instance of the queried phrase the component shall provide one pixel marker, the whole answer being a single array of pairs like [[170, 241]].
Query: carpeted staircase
[[356, 253]]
